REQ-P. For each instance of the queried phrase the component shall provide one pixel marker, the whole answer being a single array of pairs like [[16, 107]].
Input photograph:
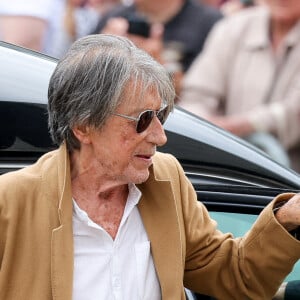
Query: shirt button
[[117, 282]]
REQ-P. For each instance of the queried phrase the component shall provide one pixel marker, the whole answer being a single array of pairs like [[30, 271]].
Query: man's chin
[[141, 177]]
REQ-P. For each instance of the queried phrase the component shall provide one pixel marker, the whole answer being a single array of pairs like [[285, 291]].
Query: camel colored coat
[[36, 240]]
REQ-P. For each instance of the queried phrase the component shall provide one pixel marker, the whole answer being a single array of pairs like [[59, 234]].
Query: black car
[[232, 178]]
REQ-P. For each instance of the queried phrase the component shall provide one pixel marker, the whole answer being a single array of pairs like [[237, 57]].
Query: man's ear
[[82, 133]]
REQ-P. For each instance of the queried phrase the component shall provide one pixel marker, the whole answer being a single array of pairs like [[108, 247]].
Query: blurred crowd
[[234, 62]]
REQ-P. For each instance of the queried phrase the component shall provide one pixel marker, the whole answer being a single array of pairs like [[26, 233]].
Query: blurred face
[[150, 6], [119, 151], [284, 10]]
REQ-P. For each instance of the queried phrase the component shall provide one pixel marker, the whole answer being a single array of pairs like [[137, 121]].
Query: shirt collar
[[259, 36], [134, 196]]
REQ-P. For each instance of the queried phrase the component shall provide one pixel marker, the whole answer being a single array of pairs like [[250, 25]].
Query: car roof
[[24, 79], [18, 85]]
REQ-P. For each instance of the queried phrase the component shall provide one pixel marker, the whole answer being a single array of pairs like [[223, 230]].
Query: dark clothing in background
[[189, 28]]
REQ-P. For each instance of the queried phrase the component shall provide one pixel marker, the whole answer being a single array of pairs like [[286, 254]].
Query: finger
[[157, 31]]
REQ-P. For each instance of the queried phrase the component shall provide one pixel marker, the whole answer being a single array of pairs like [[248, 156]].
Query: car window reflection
[[23, 126]]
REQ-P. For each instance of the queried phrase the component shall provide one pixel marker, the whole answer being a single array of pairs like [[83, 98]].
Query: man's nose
[[157, 133]]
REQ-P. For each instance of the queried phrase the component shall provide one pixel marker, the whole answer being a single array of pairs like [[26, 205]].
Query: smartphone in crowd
[[139, 26]]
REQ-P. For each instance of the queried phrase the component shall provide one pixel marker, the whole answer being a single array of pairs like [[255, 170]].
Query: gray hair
[[93, 78]]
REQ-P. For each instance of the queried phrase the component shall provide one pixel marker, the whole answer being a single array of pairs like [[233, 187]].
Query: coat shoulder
[[166, 166], [15, 186]]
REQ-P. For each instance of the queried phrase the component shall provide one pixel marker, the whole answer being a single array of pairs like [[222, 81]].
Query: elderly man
[[107, 217]]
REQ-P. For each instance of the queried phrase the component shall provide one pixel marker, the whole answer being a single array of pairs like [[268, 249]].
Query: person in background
[[228, 7], [214, 3], [246, 80], [31, 23], [232, 6], [79, 18], [178, 30], [107, 216]]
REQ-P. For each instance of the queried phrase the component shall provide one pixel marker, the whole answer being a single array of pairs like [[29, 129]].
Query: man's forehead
[[138, 97]]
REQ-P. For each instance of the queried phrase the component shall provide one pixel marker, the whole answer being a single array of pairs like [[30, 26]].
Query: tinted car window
[[23, 123]]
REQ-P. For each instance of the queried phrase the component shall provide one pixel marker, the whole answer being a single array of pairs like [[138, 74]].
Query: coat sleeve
[[216, 264]]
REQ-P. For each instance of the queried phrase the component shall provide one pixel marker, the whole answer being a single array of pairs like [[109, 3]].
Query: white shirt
[[113, 269], [34, 8]]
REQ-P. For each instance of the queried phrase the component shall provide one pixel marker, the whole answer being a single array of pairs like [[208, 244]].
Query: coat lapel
[[62, 263], [159, 213], [160, 217], [62, 237]]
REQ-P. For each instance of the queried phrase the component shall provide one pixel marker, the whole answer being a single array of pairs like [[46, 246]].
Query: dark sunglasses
[[145, 118]]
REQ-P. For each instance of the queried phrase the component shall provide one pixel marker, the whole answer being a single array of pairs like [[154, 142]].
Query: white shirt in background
[[50, 11]]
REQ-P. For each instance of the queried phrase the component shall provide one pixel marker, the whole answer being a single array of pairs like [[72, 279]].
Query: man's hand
[[237, 125], [289, 214], [152, 44]]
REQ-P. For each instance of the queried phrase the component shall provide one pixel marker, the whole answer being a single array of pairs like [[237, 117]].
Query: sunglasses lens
[[147, 116], [162, 115], [144, 121]]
